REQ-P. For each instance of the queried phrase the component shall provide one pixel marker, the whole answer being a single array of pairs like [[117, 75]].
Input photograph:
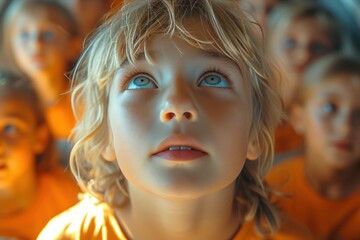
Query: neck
[[331, 182], [18, 197], [208, 217]]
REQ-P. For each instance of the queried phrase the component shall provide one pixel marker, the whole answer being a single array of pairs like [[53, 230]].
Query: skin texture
[[295, 47], [329, 121], [21, 140], [186, 97]]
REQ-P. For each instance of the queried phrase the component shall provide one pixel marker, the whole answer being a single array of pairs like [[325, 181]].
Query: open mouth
[[180, 153]]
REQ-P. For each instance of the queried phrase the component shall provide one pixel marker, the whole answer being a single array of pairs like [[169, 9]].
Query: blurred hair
[[20, 88], [122, 37], [286, 13], [325, 69]]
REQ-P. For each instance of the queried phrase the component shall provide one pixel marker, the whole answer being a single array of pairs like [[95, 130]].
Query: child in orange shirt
[[32, 188], [297, 34], [42, 42], [175, 130], [324, 182]]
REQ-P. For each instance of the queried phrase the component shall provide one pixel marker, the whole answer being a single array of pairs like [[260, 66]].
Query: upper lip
[[178, 140]]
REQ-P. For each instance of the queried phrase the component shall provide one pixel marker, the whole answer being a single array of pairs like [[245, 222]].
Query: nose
[[178, 104], [302, 58], [345, 124]]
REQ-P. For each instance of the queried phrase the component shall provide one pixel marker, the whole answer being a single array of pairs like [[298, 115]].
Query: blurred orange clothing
[[60, 117], [286, 139], [326, 218], [57, 192], [91, 219]]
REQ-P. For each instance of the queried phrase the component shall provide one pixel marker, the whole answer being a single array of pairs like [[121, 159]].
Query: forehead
[[42, 15], [342, 86], [16, 105]]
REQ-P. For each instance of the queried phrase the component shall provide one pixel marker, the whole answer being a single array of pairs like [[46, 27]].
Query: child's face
[[187, 98], [19, 142], [331, 121], [300, 43], [40, 46]]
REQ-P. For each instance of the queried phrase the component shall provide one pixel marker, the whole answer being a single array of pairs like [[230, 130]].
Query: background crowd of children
[[314, 49]]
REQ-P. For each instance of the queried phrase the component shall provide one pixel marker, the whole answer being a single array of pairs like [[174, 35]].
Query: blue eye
[[214, 80], [24, 36], [9, 129], [289, 43], [329, 108], [48, 36], [141, 82]]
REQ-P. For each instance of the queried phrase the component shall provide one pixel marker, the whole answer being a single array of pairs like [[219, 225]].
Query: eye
[[329, 107], [214, 80], [289, 43], [48, 36], [24, 36], [10, 130], [141, 82]]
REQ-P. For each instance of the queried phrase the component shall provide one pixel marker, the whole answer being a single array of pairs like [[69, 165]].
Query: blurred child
[[41, 39], [32, 188], [324, 182], [297, 35], [174, 133]]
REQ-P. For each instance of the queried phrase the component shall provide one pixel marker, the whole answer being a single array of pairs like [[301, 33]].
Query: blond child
[[174, 134], [324, 182], [41, 39], [297, 34], [33, 189]]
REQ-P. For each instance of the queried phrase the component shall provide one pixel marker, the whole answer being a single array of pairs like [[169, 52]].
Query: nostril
[[169, 115], [187, 115]]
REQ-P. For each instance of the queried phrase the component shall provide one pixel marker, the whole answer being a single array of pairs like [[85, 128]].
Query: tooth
[[185, 148], [174, 148]]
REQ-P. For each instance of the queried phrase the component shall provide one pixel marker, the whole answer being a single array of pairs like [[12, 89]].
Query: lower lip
[[180, 155]]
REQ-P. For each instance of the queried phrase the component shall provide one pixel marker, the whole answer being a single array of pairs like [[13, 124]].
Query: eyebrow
[[209, 53]]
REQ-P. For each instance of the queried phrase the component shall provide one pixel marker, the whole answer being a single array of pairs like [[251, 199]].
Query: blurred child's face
[[180, 126], [40, 46], [331, 121], [18, 141], [300, 43]]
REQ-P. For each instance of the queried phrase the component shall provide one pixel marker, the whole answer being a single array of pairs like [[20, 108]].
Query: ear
[[297, 118], [253, 150], [108, 153], [41, 139]]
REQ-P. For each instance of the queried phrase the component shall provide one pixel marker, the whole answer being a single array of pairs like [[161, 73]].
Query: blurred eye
[[48, 36], [214, 80], [289, 43], [10, 130], [318, 48], [141, 82], [24, 36], [329, 108]]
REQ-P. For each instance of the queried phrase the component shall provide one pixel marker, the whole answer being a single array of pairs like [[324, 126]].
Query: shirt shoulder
[[88, 219]]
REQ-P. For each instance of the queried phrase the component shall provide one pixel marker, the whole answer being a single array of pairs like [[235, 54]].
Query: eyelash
[[128, 77], [218, 71]]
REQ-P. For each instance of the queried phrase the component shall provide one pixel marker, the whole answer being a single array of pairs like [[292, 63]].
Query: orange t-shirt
[[91, 219], [57, 192], [326, 218], [286, 139]]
